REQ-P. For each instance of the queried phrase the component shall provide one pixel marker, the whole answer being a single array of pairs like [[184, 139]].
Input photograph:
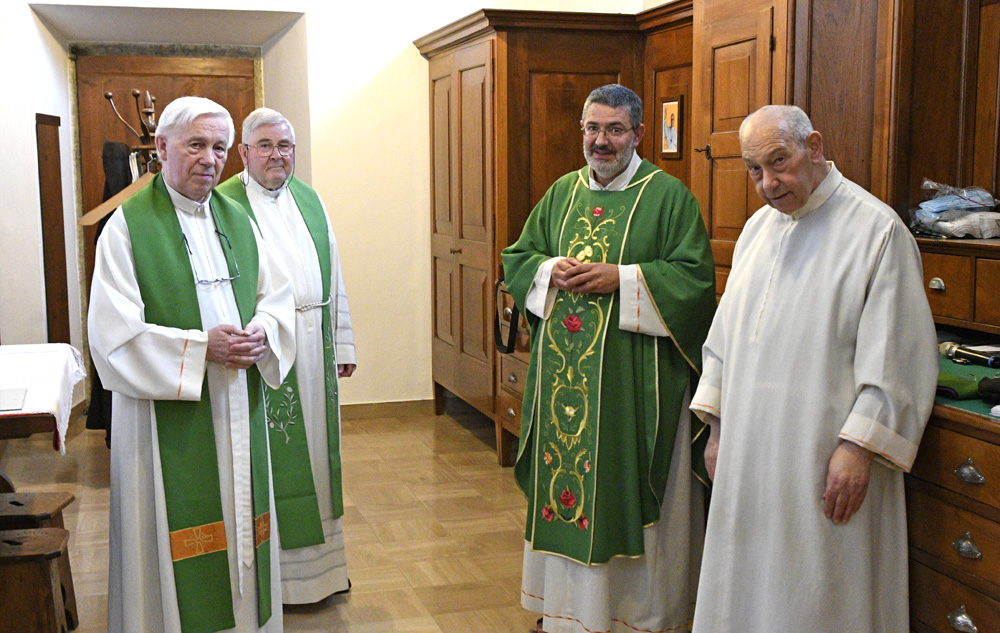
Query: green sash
[[185, 429], [294, 489]]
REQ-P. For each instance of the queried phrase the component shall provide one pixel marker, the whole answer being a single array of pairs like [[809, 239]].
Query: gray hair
[[616, 96], [264, 116], [792, 122], [182, 112]]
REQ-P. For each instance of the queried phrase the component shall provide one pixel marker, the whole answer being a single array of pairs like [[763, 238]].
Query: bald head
[[784, 156]]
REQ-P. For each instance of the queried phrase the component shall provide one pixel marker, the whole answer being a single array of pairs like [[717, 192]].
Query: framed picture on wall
[[670, 126]]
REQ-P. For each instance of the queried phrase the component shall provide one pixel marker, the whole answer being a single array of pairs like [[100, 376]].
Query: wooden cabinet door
[[741, 67], [462, 239]]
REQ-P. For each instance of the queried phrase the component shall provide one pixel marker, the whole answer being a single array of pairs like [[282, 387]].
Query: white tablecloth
[[49, 373]]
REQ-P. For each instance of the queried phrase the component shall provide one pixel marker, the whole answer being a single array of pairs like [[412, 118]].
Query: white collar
[[259, 189], [622, 180], [185, 204]]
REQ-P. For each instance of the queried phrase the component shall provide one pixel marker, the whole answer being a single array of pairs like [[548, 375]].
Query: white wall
[[359, 104]]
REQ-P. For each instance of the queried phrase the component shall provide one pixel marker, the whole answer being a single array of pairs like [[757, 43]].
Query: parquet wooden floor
[[433, 526]]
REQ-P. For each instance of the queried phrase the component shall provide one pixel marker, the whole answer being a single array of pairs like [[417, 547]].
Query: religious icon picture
[[670, 123]]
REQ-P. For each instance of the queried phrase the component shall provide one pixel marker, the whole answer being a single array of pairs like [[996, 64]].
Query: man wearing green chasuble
[[188, 317], [303, 413], [614, 272]]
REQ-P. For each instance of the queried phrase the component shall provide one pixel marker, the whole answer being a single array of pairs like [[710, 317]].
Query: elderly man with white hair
[[187, 316], [819, 376], [303, 414]]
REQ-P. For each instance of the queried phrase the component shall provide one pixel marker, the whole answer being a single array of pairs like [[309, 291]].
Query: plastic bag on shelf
[[957, 212]]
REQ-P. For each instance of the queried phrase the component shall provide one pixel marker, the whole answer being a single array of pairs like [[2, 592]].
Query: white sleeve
[[541, 297], [275, 312], [637, 312]]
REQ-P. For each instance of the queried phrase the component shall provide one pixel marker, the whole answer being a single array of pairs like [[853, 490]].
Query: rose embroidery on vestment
[[572, 323]]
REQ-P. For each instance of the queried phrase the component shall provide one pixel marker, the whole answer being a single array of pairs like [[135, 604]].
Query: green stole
[[295, 497], [185, 429]]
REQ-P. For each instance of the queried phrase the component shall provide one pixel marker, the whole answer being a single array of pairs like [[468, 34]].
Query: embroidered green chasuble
[[185, 429], [294, 489], [601, 404]]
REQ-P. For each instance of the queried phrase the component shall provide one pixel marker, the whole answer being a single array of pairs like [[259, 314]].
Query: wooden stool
[[29, 580], [27, 510]]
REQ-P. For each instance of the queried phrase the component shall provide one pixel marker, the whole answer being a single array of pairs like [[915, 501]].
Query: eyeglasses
[[264, 150], [615, 131], [206, 282]]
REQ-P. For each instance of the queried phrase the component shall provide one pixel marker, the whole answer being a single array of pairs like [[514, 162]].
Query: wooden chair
[[30, 510], [29, 580]]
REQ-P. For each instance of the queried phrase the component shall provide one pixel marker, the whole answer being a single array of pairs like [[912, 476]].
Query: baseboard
[[370, 410]]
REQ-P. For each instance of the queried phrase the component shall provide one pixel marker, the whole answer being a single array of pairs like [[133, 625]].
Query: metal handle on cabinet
[[507, 312], [966, 547], [960, 621], [511, 413], [512, 379], [936, 284], [454, 251], [968, 473]]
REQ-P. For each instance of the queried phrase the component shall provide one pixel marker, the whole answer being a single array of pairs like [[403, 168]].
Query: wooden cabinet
[[962, 281], [506, 92], [953, 524]]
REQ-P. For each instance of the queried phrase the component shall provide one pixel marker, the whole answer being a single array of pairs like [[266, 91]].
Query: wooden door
[[741, 68], [229, 82], [53, 227], [461, 94]]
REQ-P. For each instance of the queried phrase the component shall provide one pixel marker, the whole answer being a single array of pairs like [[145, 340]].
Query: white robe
[[309, 574], [652, 593], [823, 334], [140, 362]]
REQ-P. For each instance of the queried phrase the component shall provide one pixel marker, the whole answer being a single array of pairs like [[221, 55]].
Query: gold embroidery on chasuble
[[197, 540], [570, 359]]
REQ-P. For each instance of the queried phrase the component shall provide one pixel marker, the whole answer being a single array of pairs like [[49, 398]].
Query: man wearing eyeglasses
[[187, 316], [615, 274], [303, 413]]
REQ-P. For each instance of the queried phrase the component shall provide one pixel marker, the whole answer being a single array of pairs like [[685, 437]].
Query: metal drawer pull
[[960, 621], [512, 379], [936, 284], [510, 413], [966, 547], [507, 312], [968, 473]]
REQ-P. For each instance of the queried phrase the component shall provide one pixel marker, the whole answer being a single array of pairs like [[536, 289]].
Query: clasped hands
[[234, 347], [573, 275]]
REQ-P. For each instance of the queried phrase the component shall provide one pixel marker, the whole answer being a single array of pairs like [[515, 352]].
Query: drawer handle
[[960, 621], [512, 379], [936, 284], [968, 473], [507, 312], [966, 547], [455, 251], [510, 413]]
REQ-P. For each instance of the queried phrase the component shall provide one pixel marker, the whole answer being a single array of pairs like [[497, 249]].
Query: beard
[[604, 169]]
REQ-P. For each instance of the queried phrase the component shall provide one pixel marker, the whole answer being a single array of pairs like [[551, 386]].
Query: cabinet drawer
[[988, 291], [933, 526], [933, 596], [948, 283], [509, 412], [943, 451], [513, 372]]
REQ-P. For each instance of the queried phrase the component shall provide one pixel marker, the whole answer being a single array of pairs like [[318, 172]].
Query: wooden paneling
[[668, 75], [53, 227], [988, 291], [736, 72], [986, 166], [227, 81]]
